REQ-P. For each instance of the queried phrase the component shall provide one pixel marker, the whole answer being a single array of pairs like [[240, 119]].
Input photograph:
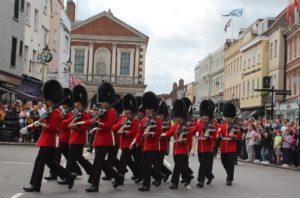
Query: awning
[[247, 114], [6, 90], [20, 93]]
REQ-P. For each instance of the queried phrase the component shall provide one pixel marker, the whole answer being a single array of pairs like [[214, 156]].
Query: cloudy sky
[[181, 32]]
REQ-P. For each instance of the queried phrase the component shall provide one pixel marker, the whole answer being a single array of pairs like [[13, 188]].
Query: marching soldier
[[181, 133], [229, 133], [207, 132], [126, 128], [78, 132], [104, 137], [53, 95], [150, 130]]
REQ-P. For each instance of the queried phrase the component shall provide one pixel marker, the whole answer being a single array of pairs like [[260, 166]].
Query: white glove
[[24, 131]]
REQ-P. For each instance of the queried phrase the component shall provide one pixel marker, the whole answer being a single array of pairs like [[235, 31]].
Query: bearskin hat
[[53, 91], [229, 110], [129, 103], [118, 105], [68, 97], [149, 100], [139, 103], [93, 104], [212, 104], [188, 104], [206, 108], [179, 109], [106, 93], [163, 108], [80, 95]]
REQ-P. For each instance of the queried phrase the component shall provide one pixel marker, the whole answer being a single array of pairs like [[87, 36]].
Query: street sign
[[221, 94]]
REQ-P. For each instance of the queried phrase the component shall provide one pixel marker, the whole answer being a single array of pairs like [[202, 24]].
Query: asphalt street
[[251, 181]]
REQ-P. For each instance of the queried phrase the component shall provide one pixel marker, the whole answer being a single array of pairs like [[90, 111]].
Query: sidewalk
[[270, 165], [18, 143]]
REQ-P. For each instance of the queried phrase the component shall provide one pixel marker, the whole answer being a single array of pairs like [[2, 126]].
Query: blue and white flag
[[235, 13]]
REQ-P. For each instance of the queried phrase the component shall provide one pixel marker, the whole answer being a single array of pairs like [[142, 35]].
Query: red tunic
[[151, 143], [125, 140], [78, 136], [164, 142], [178, 148], [117, 136], [48, 135], [104, 135], [228, 145], [65, 131], [205, 146]]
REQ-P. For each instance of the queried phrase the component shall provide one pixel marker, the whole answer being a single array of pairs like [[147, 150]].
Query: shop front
[[288, 110]]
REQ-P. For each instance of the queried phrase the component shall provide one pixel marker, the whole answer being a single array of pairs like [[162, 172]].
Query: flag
[[72, 81], [228, 24], [289, 11], [235, 13]]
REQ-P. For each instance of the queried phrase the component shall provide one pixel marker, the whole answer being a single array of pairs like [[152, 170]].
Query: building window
[[253, 87], [26, 55], [295, 48], [258, 59], [13, 52], [79, 61], [253, 56], [125, 64], [54, 40], [45, 7], [271, 51], [21, 49], [243, 89], [28, 13], [22, 5], [16, 9], [36, 20], [34, 56], [257, 86], [248, 88], [275, 49], [45, 36]]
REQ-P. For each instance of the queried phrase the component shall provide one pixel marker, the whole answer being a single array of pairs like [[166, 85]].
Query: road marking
[[20, 163], [17, 195]]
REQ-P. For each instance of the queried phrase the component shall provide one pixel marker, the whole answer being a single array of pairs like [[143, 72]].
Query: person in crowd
[[34, 116], [265, 145], [286, 147], [250, 141], [41, 108], [277, 145]]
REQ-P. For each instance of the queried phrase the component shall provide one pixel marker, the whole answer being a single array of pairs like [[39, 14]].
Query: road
[[251, 181]]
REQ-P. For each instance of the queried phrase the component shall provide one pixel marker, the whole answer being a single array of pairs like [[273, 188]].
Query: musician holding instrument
[[230, 134], [150, 131], [207, 133], [104, 137], [181, 133], [126, 128], [49, 122]]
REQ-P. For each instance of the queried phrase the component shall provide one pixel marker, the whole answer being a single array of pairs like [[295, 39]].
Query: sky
[[181, 32]]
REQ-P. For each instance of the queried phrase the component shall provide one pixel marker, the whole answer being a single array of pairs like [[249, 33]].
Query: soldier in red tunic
[[126, 128], [150, 130], [229, 133], [207, 133], [53, 93], [181, 133], [78, 132], [104, 137]]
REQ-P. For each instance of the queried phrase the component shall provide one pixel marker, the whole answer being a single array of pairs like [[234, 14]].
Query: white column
[[113, 63], [90, 66], [137, 64]]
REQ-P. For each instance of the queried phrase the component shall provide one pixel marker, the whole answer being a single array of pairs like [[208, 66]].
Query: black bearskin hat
[[229, 110], [188, 104], [93, 104], [163, 108], [149, 100], [80, 95], [129, 103], [118, 105], [179, 109], [106, 93], [206, 108], [212, 104], [53, 91], [139, 103], [69, 100]]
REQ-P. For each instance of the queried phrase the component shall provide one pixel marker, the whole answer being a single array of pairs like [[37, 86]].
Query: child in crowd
[[277, 145]]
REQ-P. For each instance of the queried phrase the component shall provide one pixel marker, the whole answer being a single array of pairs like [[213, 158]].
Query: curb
[[17, 144], [270, 165]]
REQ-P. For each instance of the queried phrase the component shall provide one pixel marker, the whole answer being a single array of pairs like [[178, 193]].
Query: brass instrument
[[231, 130], [126, 124], [208, 129], [182, 131]]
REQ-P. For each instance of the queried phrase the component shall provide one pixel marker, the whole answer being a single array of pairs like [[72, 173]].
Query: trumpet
[[182, 131], [125, 125]]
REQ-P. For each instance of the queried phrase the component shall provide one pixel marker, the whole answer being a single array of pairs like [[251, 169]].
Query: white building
[[217, 75]]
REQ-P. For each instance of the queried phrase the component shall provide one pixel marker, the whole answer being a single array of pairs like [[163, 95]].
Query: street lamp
[[69, 64]]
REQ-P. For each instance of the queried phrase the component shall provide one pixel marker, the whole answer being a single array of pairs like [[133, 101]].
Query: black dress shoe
[[188, 181], [119, 181], [166, 177], [63, 182], [133, 178], [228, 183], [31, 189], [209, 180], [200, 184], [71, 181], [144, 188], [173, 186], [106, 178], [92, 189], [157, 183], [138, 180], [50, 177]]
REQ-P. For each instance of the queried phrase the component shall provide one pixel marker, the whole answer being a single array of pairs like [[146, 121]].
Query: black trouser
[[285, 155], [112, 160], [180, 167], [189, 172], [228, 163], [205, 168], [91, 140], [126, 159], [162, 167], [64, 149], [46, 156], [217, 145], [150, 168], [99, 164], [75, 155], [138, 158]]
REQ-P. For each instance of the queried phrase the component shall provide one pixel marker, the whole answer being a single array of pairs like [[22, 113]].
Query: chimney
[[71, 8]]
